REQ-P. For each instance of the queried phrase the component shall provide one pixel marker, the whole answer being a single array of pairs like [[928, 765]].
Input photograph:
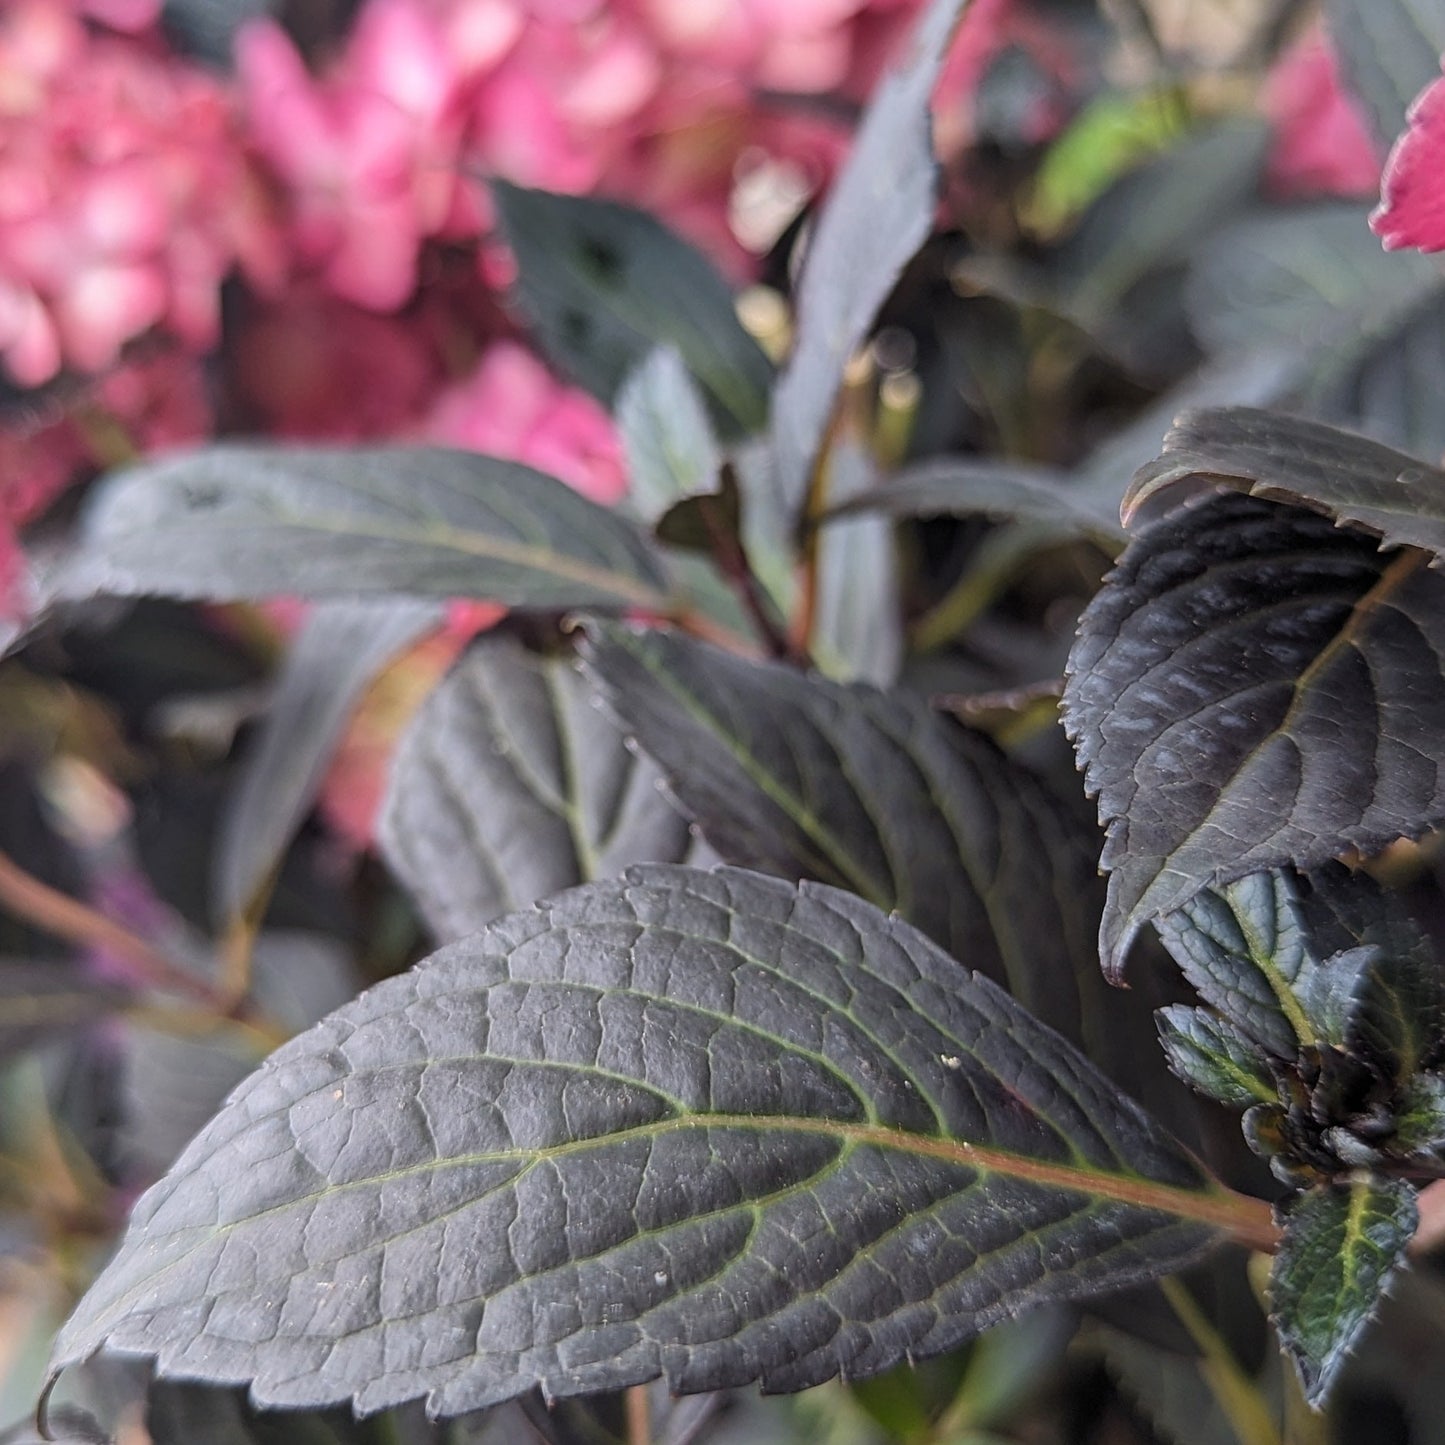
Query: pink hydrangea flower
[[1321, 143], [124, 196], [1412, 204], [511, 406], [369, 158]]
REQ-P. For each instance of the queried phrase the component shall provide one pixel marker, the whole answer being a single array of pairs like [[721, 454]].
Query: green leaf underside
[[1348, 478], [1241, 689], [875, 793], [335, 656], [233, 523], [708, 1126], [604, 284], [1341, 1244], [510, 785], [879, 211]]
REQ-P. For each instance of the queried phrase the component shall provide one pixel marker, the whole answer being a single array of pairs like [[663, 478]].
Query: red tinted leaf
[[1412, 206]]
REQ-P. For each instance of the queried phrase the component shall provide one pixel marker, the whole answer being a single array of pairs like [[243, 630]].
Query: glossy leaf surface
[[1341, 1244], [234, 523], [712, 1127], [510, 784], [875, 793], [604, 284], [1254, 686]]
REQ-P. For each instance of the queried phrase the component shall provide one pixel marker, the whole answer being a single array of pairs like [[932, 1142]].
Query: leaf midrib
[[545, 561], [1240, 1217]]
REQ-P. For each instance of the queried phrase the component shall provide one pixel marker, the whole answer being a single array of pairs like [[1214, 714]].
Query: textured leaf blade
[[1210, 1055], [333, 659], [604, 284], [1349, 478], [875, 793], [667, 438], [510, 785], [1341, 1244], [707, 1126], [877, 214], [1238, 688], [234, 523]]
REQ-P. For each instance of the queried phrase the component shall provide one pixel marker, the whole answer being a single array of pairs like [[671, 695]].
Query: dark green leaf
[[708, 1126], [877, 214], [876, 793], [510, 784], [1391, 51], [332, 661], [40, 1000], [1341, 1244], [666, 436], [1211, 1055], [1154, 216], [1252, 687], [232, 523], [604, 285], [1366, 328], [1397, 499], [1084, 500]]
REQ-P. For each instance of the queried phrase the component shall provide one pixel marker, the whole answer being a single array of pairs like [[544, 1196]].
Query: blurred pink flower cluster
[[125, 197]]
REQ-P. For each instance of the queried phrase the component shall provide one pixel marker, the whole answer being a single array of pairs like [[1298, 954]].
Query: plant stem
[[639, 1416], [78, 923]]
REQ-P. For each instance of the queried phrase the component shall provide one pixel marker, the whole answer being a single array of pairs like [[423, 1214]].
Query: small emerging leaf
[[706, 1126], [1254, 687], [237, 523], [1210, 1055], [1341, 1244]]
